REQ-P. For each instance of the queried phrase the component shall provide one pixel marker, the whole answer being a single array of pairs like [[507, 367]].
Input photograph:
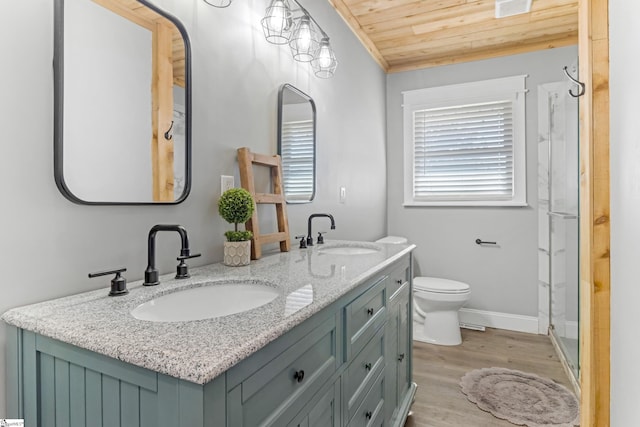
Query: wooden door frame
[[595, 266]]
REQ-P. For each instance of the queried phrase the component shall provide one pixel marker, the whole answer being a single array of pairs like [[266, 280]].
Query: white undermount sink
[[351, 249], [206, 302]]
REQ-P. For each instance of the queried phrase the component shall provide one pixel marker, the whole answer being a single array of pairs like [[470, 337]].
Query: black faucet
[[309, 237], [151, 274]]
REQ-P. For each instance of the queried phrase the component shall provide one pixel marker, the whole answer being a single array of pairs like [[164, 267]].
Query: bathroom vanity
[[332, 349]]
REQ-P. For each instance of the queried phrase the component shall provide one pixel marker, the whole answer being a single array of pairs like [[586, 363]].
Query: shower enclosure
[[558, 207]]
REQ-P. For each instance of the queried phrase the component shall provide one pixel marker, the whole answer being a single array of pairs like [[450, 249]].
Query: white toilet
[[436, 303]]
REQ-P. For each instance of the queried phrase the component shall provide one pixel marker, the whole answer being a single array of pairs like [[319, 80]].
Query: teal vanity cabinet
[[348, 365]]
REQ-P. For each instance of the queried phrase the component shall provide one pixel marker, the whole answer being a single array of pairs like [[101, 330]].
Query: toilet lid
[[443, 286], [396, 240]]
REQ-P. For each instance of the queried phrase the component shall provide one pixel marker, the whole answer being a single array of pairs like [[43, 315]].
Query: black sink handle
[[118, 283]]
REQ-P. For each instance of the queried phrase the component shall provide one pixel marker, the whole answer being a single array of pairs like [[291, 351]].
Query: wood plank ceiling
[[405, 35]]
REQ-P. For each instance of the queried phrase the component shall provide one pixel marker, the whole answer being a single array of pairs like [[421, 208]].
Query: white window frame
[[507, 88]]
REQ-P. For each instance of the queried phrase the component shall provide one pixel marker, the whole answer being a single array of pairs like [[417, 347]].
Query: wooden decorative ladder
[[246, 160]]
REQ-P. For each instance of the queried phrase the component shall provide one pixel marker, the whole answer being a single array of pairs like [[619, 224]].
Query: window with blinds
[[297, 151], [466, 147]]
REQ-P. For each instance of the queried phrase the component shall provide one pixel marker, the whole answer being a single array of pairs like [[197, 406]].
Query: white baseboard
[[493, 319]]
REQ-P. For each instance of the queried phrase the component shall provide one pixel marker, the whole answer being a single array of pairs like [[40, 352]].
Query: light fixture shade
[[277, 22], [324, 62], [304, 40], [218, 3]]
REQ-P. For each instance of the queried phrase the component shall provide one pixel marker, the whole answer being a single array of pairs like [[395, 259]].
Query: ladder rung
[[263, 159], [269, 198], [273, 238]]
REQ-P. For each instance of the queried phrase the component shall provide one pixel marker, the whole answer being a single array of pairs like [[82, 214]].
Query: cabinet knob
[[367, 366], [399, 282], [298, 375], [401, 357], [370, 311], [368, 415]]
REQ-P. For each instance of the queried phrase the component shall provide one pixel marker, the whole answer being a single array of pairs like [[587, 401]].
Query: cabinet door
[[403, 355], [326, 413], [322, 411], [398, 351], [391, 352]]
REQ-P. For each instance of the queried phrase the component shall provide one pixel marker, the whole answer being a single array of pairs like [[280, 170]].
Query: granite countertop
[[200, 350]]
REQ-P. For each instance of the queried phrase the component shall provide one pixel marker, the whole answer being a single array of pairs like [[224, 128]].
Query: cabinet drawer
[[371, 412], [398, 277], [363, 371], [276, 392], [363, 317]]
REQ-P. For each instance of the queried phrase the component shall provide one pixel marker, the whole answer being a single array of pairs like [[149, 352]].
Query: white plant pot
[[237, 254]]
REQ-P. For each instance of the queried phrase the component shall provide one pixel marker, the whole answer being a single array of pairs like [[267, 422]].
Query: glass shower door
[[561, 194]]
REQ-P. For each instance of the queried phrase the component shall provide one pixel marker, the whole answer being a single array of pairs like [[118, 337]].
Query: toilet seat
[[439, 286]]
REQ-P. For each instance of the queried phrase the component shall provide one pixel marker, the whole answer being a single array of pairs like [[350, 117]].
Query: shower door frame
[[549, 98]]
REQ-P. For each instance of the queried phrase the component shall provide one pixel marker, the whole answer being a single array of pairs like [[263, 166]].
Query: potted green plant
[[236, 205]]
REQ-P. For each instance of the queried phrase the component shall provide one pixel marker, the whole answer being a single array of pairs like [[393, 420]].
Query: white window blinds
[[297, 159], [465, 144], [464, 151]]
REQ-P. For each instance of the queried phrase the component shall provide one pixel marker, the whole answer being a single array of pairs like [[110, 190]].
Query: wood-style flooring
[[437, 371]]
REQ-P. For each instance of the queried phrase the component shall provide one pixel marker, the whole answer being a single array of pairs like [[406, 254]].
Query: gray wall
[[502, 278], [625, 212], [49, 244]]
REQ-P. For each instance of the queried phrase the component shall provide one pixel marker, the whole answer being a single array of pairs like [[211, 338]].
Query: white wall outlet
[[226, 182], [343, 194]]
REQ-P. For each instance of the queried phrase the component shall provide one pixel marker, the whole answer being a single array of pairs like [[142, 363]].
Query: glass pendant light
[[277, 22], [324, 63], [304, 40], [218, 3]]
